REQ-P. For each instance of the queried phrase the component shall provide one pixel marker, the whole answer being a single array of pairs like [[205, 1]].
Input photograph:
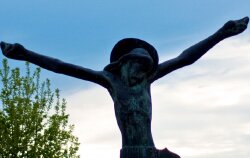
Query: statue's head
[[134, 53]]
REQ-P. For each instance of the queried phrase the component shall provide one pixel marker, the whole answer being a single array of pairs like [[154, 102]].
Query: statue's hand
[[13, 51], [235, 27]]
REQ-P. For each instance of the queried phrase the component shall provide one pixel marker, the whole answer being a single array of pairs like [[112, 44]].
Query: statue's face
[[134, 70]]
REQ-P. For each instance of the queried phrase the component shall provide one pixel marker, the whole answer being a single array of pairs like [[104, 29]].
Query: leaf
[[33, 121]]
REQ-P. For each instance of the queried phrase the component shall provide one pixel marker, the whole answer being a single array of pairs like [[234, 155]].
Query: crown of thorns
[[122, 51]]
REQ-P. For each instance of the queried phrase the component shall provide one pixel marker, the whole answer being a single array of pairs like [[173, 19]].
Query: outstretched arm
[[18, 52], [193, 53]]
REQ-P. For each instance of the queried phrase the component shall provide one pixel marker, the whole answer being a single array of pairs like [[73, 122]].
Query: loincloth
[[146, 152]]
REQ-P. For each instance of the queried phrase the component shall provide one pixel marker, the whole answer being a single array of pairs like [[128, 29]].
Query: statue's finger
[[2, 44], [246, 20], [7, 46]]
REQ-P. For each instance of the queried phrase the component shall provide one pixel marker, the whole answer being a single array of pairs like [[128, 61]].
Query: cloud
[[92, 112], [206, 105], [198, 111]]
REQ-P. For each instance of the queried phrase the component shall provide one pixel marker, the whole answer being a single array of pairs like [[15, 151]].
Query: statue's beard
[[135, 79]]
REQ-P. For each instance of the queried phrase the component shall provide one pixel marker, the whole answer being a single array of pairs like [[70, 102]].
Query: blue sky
[[84, 32]]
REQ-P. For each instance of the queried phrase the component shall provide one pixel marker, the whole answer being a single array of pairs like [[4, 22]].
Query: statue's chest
[[133, 100]]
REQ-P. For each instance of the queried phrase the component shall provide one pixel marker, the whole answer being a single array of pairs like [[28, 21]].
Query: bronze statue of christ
[[133, 67]]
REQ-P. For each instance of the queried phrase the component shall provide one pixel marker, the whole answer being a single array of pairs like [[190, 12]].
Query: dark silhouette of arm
[[193, 53], [18, 52]]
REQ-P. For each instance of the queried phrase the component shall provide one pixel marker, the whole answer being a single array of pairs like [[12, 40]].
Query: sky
[[198, 111]]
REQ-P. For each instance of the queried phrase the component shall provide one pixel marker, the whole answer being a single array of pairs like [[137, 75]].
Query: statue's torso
[[133, 111]]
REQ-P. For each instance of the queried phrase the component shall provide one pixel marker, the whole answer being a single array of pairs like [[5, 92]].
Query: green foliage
[[33, 122]]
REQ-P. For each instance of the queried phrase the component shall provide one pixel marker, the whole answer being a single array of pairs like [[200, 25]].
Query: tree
[[33, 122]]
